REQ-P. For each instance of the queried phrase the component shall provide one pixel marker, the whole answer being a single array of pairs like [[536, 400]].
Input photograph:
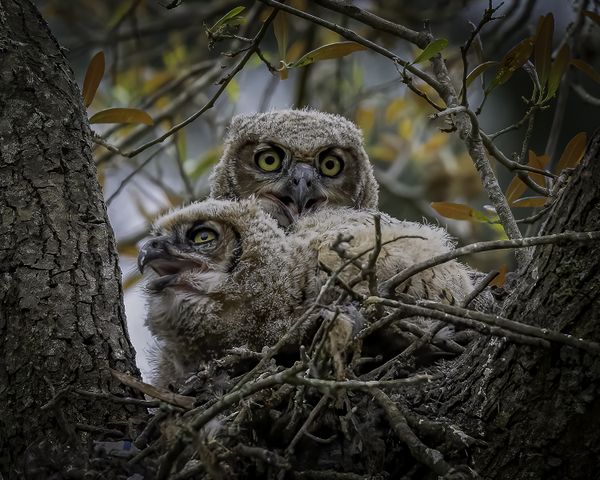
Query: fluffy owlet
[[219, 275], [222, 274], [294, 161]]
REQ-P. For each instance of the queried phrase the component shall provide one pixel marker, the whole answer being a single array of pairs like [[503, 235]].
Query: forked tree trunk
[[61, 312], [539, 410]]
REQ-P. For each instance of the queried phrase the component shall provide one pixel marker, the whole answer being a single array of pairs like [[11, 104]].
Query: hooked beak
[[154, 254], [300, 194]]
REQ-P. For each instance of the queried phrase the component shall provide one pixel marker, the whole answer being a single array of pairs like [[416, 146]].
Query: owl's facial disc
[[294, 186]]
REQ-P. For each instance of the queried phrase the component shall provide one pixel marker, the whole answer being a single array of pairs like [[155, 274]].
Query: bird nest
[[328, 410]]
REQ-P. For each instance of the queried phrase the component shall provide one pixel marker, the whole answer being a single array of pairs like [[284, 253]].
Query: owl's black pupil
[[329, 164], [269, 160], [204, 235]]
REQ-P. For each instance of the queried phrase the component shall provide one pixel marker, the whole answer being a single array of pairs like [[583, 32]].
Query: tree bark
[[62, 323], [539, 410]]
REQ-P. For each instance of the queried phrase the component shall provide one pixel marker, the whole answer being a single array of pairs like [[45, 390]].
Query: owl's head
[[191, 248], [295, 161]]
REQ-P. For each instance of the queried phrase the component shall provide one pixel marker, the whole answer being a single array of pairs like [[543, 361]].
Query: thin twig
[[430, 457], [223, 85], [389, 285], [350, 35]]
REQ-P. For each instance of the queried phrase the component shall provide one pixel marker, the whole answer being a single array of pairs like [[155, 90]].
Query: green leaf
[[511, 62], [122, 115], [557, 70], [434, 47], [573, 152], [280, 29], [93, 75], [587, 69], [543, 48], [593, 15], [478, 70], [326, 52], [458, 211], [227, 18], [530, 202]]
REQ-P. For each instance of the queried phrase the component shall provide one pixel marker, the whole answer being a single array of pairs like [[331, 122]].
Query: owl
[[218, 275], [293, 162], [222, 274]]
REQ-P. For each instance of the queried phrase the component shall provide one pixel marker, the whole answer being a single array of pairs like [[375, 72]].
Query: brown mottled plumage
[[222, 274], [295, 161]]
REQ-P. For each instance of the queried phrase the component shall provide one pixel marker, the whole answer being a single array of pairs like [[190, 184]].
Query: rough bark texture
[[62, 322], [539, 410]]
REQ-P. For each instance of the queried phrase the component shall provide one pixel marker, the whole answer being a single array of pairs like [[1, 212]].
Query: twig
[[389, 285], [430, 457], [223, 85], [488, 16], [115, 399], [371, 270], [485, 281], [135, 171], [328, 386], [517, 327], [350, 35], [304, 428], [201, 417], [463, 321]]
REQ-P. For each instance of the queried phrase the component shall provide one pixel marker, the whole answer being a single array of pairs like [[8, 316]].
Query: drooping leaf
[[593, 15], [458, 211], [557, 70], [478, 70], [280, 29], [530, 202], [515, 189], [573, 152], [93, 75], [433, 48], [543, 47], [326, 52], [227, 18], [587, 69], [122, 115], [511, 62], [500, 278]]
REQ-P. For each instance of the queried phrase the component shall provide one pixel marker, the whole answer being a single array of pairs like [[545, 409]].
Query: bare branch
[[389, 285]]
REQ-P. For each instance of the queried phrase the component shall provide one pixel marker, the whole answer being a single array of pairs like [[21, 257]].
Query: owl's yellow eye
[[330, 166], [269, 160], [203, 235]]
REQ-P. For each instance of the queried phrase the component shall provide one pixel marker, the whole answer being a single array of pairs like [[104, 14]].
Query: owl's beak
[[153, 253], [302, 189]]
